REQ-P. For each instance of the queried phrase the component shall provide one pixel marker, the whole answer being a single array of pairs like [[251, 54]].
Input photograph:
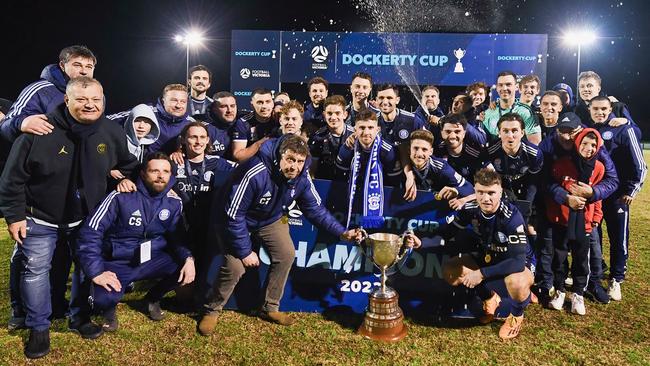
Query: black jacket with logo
[[38, 173]]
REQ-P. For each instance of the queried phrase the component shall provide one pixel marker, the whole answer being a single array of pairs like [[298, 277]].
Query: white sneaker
[[578, 305], [568, 282], [614, 290], [557, 302]]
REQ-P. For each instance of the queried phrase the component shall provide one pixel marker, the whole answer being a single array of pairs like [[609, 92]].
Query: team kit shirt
[[352, 113], [314, 115], [197, 106], [438, 174], [492, 117], [324, 148], [500, 244], [467, 163], [249, 129], [518, 171], [398, 131]]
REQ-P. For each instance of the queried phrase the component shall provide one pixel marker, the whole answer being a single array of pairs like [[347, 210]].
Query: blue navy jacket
[[257, 194], [398, 131], [422, 116], [39, 97], [170, 127], [552, 151], [623, 145], [438, 174], [123, 221], [314, 115]]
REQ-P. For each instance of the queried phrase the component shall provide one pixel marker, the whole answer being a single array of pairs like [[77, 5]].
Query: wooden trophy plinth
[[384, 318]]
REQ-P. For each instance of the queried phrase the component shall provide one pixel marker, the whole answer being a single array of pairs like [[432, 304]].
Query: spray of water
[[389, 16]]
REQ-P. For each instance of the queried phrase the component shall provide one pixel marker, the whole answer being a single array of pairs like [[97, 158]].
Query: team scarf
[[373, 187]]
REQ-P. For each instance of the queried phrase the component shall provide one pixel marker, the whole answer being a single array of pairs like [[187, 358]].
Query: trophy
[[459, 53], [384, 319]]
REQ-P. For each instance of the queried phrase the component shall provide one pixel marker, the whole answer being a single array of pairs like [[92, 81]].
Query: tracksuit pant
[[161, 265], [617, 216]]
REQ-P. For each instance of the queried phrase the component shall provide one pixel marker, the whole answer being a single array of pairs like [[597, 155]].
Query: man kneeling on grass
[[253, 206], [136, 236], [499, 256]]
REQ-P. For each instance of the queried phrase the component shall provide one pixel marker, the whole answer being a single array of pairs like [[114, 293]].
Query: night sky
[[133, 40]]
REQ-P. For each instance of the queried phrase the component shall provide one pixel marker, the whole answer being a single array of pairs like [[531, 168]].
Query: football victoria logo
[[319, 53], [245, 73]]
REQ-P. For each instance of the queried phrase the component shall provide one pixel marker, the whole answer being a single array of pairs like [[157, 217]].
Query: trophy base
[[384, 320], [459, 68]]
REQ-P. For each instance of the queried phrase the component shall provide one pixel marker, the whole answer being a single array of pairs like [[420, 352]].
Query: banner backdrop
[[329, 274], [269, 58]]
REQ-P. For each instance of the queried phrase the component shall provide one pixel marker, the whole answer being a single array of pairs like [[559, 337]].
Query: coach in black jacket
[[49, 185]]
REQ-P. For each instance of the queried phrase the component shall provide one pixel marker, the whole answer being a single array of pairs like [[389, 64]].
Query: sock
[[518, 307], [483, 291]]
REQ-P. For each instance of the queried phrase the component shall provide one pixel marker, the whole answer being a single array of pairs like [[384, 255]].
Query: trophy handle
[[403, 251]]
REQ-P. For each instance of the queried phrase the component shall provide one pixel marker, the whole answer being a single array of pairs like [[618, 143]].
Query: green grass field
[[613, 334]]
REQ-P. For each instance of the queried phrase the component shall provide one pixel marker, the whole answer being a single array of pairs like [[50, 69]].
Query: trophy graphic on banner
[[384, 319], [459, 53]]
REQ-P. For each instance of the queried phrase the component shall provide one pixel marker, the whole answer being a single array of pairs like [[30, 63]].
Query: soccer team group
[[159, 191]]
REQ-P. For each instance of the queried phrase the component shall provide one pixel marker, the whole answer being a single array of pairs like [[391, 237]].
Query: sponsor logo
[[319, 55], [136, 213], [519, 58], [101, 148], [163, 214], [394, 60], [246, 73], [295, 214]]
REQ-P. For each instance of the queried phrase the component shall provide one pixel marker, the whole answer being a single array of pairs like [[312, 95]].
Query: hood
[[143, 189], [269, 153], [566, 88], [166, 117], [582, 135], [142, 110], [55, 75]]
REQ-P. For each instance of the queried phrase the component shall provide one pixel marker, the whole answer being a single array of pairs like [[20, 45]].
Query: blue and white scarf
[[373, 187]]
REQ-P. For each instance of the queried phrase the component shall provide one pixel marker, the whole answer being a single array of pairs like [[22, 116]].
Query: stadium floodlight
[[579, 38], [191, 38]]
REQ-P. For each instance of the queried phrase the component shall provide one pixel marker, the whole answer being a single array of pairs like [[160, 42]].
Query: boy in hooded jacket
[[573, 222]]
